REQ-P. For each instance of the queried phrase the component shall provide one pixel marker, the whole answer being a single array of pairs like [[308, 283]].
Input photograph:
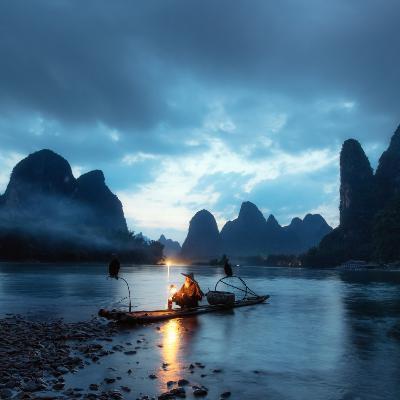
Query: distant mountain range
[[250, 234], [47, 214], [369, 209], [171, 247]]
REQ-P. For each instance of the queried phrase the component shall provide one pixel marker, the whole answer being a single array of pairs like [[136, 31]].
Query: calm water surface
[[323, 334]]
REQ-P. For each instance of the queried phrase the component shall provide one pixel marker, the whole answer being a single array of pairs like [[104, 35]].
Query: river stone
[[5, 393], [200, 391], [58, 386], [63, 370], [30, 386], [178, 392], [115, 394]]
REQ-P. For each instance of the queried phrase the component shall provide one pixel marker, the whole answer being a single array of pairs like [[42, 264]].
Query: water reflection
[[177, 335], [170, 341], [324, 334]]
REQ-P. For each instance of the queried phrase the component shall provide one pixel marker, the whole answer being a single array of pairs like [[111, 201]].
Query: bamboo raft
[[144, 317]]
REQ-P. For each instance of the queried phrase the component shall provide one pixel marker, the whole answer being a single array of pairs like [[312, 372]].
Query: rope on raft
[[129, 292], [246, 291]]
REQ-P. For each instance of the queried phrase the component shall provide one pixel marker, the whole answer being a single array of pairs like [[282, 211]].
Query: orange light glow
[[174, 262]]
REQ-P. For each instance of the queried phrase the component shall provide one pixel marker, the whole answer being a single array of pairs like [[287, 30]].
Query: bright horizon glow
[[171, 200]]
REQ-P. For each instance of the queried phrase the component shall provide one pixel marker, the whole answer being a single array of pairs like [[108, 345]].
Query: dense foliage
[[22, 245], [386, 233]]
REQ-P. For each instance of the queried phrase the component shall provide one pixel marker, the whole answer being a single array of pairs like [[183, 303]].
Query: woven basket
[[225, 298]]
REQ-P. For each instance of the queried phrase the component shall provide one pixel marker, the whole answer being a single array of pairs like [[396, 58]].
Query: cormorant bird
[[113, 267], [228, 268]]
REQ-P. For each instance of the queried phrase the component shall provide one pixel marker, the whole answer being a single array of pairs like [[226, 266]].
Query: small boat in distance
[[145, 317]]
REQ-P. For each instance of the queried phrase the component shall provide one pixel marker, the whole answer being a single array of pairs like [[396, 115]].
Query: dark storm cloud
[[121, 62], [72, 64]]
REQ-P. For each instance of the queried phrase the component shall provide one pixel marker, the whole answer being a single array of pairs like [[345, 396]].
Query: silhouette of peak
[[310, 221], [172, 248], [41, 160], [203, 215], [247, 205], [164, 240], [272, 220], [273, 223], [250, 212], [388, 172], [296, 222], [351, 143], [314, 218], [43, 171], [353, 157], [356, 185], [202, 240], [95, 177], [395, 140], [352, 148], [45, 153]]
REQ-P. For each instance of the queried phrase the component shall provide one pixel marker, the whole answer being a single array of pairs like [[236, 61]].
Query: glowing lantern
[[172, 291]]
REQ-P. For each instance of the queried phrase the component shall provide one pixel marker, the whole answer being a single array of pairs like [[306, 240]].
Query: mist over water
[[323, 334]]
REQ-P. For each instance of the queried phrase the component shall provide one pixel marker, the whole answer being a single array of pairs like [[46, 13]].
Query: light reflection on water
[[171, 336], [323, 335]]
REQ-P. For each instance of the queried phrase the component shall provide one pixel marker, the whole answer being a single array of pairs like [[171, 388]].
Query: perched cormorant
[[228, 268], [113, 267]]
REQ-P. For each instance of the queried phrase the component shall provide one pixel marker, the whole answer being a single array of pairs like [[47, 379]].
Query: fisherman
[[189, 294], [114, 266]]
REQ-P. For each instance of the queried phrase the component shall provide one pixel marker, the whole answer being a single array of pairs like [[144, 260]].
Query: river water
[[322, 335]]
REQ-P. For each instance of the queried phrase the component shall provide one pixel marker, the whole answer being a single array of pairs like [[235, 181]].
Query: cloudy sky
[[200, 104]]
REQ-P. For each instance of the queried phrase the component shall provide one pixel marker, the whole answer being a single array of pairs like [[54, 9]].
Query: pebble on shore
[[35, 355]]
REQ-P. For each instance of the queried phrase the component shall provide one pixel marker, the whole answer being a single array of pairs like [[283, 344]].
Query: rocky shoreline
[[36, 356]]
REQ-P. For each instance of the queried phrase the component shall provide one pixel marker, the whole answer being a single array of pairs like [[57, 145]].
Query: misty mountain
[[250, 234], [203, 241], [369, 209], [304, 234], [104, 209], [45, 213], [172, 248], [387, 175]]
